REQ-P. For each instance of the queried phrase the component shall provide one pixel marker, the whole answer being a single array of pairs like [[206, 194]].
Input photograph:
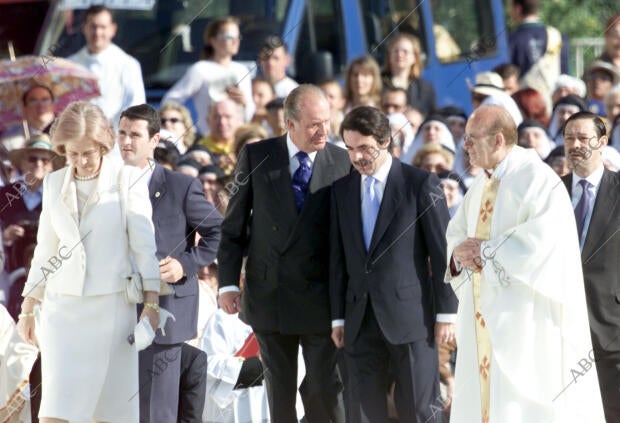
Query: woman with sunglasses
[[216, 77], [177, 120]]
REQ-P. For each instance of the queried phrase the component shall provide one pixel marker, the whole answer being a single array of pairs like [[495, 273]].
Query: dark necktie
[[301, 179], [583, 207]]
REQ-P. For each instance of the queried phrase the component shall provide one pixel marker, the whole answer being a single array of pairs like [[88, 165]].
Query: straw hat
[[488, 83], [39, 143]]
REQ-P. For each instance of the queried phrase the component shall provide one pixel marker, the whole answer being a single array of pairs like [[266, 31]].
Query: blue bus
[[459, 37]]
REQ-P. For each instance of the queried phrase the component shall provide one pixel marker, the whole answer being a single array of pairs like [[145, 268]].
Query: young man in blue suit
[[180, 210], [389, 303]]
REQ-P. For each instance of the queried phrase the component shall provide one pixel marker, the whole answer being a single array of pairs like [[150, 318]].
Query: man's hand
[[338, 336], [467, 254], [12, 233], [170, 270], [230, 302], [444, 332]]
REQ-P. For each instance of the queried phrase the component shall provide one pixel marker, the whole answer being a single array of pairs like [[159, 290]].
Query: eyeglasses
[[469, 139], [228, 36], [35, 101], [599, 75], [171, 120], [35, 159]]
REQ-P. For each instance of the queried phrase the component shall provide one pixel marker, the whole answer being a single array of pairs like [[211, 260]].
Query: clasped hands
[[467, 254]]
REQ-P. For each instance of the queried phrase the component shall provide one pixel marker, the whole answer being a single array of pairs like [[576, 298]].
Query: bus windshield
[[165, 36]]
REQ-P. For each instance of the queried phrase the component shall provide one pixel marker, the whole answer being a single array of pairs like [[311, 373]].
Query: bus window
[[320, 32], [167, 37], [382, 19], [463, 30]]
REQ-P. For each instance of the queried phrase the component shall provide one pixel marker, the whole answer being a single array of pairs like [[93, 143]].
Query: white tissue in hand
[[164, 315], [143, 334]]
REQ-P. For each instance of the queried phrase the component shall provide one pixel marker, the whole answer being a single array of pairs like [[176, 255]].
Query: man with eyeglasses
[[37, 112], [524, 346], [594, 192]]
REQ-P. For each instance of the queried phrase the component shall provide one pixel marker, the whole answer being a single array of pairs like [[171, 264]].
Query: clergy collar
[[594, 178], [381, 174], [293, 149], [498, 171]]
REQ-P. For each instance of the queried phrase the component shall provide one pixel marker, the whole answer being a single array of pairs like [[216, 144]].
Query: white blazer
[[91, 255]]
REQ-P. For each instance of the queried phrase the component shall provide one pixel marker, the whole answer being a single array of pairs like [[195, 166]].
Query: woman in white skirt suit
[[76, 287]]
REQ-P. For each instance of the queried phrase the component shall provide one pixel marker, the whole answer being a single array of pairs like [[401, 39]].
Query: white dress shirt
[[120, 79], [205, 82], [293, 166], [595, 182], [381, 176]]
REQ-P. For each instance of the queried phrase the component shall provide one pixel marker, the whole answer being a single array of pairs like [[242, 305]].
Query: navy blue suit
[[528, 43], [389, 295], [180, 210]]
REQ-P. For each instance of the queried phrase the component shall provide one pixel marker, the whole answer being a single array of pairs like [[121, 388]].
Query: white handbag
[[134, 287]]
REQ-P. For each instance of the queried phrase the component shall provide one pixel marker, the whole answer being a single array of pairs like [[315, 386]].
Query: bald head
[[496, 119], [490, 134]]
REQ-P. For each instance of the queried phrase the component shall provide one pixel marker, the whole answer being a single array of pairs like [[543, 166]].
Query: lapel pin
[[157, 194]]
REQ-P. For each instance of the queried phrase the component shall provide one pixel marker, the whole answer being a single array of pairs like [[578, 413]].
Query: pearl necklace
[[86, 178]]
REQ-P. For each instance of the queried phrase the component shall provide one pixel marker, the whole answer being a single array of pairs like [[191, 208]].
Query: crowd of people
[[315, 244]]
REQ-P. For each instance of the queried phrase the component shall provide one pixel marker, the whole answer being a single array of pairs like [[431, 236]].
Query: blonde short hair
[[82, 121], [246, 132], [190, 129], [433, 149]]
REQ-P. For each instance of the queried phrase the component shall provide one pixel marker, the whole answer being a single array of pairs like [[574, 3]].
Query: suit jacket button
[[275, 228]]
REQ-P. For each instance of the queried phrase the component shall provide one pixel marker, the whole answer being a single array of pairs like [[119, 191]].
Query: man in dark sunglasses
[[20, 204]]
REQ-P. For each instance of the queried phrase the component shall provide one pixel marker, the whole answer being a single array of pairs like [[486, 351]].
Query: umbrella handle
[[11, 51]]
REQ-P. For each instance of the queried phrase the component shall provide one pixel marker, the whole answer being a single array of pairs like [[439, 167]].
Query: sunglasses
[[171, 120], [35, 159], [35, 101], [228, 36]]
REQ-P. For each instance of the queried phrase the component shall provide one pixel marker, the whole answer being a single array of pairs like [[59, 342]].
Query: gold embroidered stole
[[483, 341]]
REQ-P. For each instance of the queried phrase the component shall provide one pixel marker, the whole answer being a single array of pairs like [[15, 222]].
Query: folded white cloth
[[143, 333]]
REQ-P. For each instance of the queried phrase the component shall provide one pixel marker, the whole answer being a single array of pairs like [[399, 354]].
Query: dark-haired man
[[389, 306], [595, 194], [179, 212], [273, 60], [538, 50], [120, 75], [38, 113]]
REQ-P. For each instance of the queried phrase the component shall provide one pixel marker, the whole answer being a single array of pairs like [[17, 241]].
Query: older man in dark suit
[[595, 193], [179, 212], [278, 215], [388, 300]]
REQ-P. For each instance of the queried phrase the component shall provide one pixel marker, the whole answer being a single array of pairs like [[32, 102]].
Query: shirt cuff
[[231, 288], [443, 318], [455, 267], [337, 323]]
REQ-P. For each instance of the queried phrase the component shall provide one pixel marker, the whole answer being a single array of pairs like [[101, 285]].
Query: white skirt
[[89, 369]]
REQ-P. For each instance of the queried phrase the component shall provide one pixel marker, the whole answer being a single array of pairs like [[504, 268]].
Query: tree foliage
[[578, 18]]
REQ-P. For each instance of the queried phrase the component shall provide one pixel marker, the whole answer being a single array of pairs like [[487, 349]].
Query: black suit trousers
[[372, 362], [321, 389]]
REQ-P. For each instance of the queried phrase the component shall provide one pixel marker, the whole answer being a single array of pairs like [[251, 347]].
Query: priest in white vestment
[[524, 347]]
